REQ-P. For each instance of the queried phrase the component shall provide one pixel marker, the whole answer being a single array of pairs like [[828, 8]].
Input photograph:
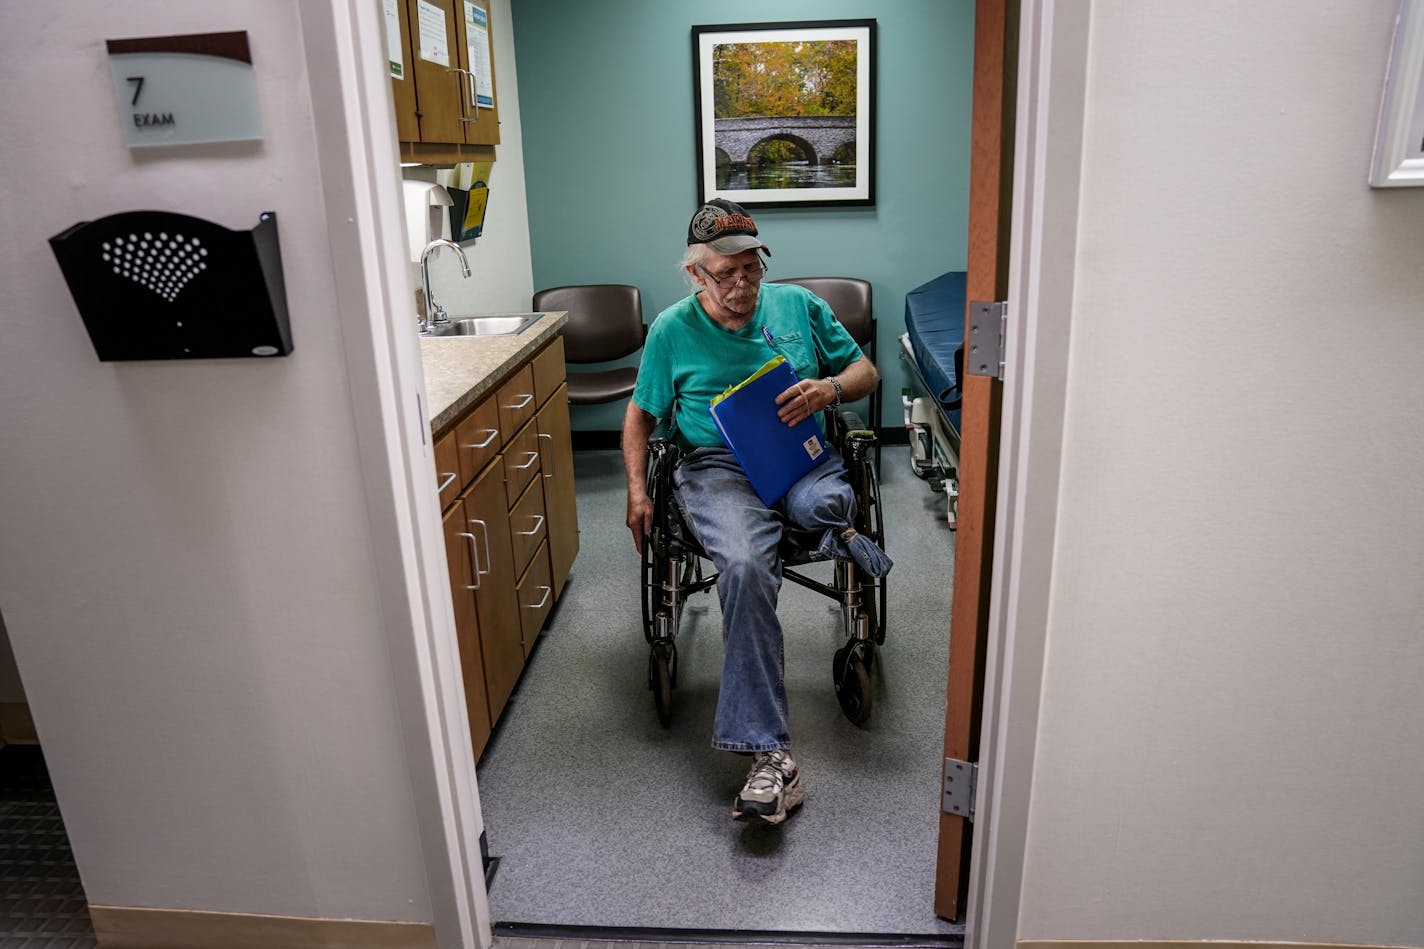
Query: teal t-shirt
[[689, 357]]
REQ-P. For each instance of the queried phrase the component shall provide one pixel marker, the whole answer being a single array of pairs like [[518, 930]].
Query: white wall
[[186, 568], [1229, 736]]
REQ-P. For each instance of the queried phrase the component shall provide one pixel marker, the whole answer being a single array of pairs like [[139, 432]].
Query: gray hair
[[696, 256]]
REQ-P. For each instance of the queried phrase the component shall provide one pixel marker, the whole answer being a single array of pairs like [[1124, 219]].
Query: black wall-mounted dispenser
[[158, 285]]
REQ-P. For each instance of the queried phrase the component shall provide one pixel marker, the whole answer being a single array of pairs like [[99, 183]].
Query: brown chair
[[605, 323], [850, 299]]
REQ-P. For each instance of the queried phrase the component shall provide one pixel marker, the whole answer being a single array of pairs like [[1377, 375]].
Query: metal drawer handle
[[550, 468], [533, 458], [537, 527], [493, 434], [526, 400], [488, 560], [540, 605], [449, 480], [474, 552]]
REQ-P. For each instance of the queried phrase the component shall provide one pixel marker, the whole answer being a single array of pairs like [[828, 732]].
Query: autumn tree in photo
[[796, 78]]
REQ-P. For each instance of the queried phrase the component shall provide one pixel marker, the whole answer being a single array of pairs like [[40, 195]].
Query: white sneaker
[[773, 788]]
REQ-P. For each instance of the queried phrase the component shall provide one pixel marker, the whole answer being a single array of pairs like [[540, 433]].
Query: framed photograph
[[1399, 137], [784, 113]]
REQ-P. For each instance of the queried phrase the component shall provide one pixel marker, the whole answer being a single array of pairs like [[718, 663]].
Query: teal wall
[[605, 97]]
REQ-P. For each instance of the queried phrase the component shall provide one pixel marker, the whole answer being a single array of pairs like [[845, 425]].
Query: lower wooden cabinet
[[501, 638], [511, 526], [459, 551]]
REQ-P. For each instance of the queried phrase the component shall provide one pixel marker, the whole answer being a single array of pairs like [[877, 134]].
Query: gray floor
[[603, 818]]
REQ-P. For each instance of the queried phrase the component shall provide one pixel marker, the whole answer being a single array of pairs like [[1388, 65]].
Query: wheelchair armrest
[[663, 455], [664, 430], [849, 421], [851, 435], [849, 425]]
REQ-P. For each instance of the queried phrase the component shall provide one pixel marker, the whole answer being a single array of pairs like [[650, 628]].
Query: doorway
[[627, 671], [534, 790]]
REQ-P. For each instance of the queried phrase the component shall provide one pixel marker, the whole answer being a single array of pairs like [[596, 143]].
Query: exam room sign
[[184, 90]]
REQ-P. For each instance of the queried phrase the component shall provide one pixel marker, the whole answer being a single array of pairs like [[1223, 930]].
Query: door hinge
[[959, 780], [988, 328]]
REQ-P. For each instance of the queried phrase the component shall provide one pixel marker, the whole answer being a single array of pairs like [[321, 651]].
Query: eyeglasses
[[752, 275]]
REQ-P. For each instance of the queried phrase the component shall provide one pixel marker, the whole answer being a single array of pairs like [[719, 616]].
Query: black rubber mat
[[42, 903]]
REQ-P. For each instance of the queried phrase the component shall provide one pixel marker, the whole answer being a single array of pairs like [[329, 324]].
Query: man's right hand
[[637, 429], [640, 517]]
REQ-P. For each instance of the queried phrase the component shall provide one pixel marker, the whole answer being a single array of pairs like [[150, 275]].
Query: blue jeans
[[741, 534]]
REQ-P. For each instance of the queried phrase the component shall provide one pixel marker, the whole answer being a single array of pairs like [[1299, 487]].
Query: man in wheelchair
[[729, 326]]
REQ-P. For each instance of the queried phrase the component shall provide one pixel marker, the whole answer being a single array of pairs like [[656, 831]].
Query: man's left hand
[[804, 399]]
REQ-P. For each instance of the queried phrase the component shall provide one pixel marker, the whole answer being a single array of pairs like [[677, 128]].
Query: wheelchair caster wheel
[[851, 671], [662, 666]]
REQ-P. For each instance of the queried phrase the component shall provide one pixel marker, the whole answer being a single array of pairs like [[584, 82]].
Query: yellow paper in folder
[[475, 213]]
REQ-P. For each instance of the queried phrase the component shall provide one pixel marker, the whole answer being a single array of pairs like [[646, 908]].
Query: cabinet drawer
[[477, 439], [516, 400], [549, 370], [447, 469], [536, 598], [527, 527], [521, 463]]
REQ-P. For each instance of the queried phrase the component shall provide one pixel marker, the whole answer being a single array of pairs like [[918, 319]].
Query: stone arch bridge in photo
[[818, 136]]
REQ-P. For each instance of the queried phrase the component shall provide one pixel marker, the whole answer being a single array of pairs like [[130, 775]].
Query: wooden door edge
[[991, 148]]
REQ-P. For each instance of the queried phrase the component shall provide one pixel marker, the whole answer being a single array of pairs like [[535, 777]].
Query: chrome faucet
[[434, 313]]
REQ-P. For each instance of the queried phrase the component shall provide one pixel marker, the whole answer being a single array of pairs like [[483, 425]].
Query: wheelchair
[[675, 567]]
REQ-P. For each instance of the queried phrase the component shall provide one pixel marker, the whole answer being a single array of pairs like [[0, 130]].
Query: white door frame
[[1048, 138], [360, 179]]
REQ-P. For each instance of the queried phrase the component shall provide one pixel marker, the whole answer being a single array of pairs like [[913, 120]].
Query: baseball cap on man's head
[[726, 227]]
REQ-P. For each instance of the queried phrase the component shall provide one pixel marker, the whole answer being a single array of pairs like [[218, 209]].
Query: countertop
[[461, 369]]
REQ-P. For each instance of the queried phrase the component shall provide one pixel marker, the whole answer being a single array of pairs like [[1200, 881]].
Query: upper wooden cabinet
[[437, 119]]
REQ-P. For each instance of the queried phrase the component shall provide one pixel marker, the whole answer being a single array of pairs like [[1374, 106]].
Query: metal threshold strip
[[644, 935]]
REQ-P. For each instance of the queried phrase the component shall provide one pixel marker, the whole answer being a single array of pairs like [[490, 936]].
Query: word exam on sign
[[147, 119]]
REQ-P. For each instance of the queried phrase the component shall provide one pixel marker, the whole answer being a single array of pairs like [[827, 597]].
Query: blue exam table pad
[[934, 319]]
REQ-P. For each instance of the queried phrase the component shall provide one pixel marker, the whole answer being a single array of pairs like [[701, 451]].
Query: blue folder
[[774, 456]]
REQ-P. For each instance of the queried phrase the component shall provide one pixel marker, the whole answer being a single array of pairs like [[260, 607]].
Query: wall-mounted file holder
[[159, 285], [467, 212]]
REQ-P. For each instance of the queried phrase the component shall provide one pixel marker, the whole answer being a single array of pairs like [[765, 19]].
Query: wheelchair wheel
[[660, 576], [662, 669], [851, 671], [874, 606], [651, 587], [875, 597]]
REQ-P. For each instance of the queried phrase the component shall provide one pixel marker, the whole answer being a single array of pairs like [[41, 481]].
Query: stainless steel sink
[[484, 326]]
